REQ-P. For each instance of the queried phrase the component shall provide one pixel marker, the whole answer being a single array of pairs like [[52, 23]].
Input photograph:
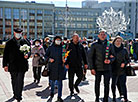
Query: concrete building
[[89, 3], [39, 20], [80, 20], [35, 19]]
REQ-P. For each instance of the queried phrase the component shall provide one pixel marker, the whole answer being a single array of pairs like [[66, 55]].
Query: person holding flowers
[[15, 62], [100, 57]]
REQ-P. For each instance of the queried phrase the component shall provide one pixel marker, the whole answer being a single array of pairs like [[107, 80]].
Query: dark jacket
[[121, 56], [13, 57], [135, 47], [56, 68], [76, 55], [96, 56], [26, 41]]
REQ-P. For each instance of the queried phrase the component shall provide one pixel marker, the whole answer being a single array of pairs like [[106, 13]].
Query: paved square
[[40, 93]]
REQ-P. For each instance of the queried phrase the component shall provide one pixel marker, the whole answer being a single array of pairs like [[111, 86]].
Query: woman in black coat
[[55, 65], [119, 67]]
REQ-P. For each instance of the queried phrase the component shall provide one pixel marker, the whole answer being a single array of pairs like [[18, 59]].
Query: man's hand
[[122, 65], [26, 56], [107, 61], [85, 66], [67, 66], [51, 60], [111, 56], [93, 72], [6, 68]]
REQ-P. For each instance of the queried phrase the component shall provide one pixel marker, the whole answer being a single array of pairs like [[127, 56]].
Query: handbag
[[130, 71], [41, 61], [45, 72]]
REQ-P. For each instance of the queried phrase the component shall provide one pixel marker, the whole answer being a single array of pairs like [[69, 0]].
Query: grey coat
[[40, 52]]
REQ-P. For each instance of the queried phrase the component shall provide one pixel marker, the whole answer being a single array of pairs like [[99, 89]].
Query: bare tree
[[112, 22]]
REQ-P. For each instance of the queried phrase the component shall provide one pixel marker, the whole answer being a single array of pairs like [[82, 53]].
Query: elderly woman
[[55, 65], [119, 67], [36, 53]]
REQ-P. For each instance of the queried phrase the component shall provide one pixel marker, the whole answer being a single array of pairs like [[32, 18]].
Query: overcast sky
[[71, 3]]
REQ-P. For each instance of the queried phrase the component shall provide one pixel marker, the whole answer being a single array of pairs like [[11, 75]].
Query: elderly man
[[15, 62], [100, 58], [74, 63]]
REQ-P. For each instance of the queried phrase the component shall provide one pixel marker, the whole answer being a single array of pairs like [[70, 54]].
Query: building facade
[[35, 19], [79, 20], [39, 20]]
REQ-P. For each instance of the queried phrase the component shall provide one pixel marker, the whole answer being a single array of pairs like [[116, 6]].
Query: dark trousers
[[106, 75], [17, 80], [119, 88], [122, 81], [37, 73], [71, 73], [59, 83]]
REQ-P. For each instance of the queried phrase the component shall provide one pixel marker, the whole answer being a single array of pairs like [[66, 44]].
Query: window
[[48, 12], [1, 13], [23, 14], [129, 10], [84, 25], [90, 19], [32, 11], [129, 4], [39, 17], [16, 13], [73, 25], [90, 26], [78, 25], [84, 19], [78, 19], [39, 11], [7, 13]]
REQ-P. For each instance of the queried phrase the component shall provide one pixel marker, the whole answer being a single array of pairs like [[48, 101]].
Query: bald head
[[75, 38]]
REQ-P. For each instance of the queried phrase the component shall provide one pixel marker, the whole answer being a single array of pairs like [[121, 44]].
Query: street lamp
[[66, 16]]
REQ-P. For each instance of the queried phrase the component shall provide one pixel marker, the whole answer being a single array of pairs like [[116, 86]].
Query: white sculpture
[[112, 22]]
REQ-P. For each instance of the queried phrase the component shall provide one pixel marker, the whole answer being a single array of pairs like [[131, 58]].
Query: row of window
[[77, 13], [74, 25], [62, 18], [8, 12]]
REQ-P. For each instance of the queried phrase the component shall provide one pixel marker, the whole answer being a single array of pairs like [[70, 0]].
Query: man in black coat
[[100, 58], [15, 62], [74, 63]]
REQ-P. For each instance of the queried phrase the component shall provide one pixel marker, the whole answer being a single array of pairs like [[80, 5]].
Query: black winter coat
[[96, 56], [56, 68], [121, 56], [13, 57], [76, 56]]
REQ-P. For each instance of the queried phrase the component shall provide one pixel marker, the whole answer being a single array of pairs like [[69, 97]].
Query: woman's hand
[[51, 60], [122, 65]]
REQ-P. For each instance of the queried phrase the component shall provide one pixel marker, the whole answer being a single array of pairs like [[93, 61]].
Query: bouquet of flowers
[[25, 49], [65, 53]]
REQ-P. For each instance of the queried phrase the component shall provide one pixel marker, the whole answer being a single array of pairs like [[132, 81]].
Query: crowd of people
[[101, 57]]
